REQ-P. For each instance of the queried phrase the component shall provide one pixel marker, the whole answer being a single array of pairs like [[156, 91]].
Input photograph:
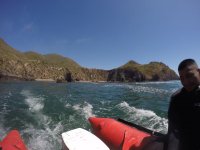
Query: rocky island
[[53, 67]]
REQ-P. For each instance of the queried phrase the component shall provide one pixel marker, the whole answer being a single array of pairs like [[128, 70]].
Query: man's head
[[189, 74]]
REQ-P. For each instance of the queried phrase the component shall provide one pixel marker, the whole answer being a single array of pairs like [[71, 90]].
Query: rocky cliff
[[31, 65], [134, 72]]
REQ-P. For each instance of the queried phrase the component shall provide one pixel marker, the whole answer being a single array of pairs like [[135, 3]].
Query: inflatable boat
[[107, 134], [12, 141], [111, 134], [122, 135]]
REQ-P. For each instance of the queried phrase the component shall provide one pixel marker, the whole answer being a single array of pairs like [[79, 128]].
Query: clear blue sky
[[105, 34]]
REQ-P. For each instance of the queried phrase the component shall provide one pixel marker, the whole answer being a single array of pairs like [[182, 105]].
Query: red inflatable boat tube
[[119, 136], [12, 141]]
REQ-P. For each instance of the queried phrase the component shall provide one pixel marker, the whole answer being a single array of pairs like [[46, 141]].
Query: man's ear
[[198, 70]]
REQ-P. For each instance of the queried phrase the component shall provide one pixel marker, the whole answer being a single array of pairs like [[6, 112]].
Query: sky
[[105, 34]]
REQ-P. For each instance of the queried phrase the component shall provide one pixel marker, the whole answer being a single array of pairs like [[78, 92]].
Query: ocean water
[[41, 111]]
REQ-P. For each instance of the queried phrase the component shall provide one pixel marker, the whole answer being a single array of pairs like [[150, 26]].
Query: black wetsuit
[[184, 120]]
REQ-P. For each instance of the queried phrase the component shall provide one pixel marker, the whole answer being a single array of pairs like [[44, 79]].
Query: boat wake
[[45, 134], [145, 118], [85, 109]]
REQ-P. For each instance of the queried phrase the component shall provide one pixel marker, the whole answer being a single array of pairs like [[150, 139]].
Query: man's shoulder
[[198, 89], [175, 99], [177, 93]]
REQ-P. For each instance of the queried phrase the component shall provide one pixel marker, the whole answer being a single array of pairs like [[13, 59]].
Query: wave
[[160, 82], [144, 89], [67, 105], [85, 109], [8, 95], [4, 110], [142, 83], [3, 130], [42, 136], [35, 103], [47, 138], [146, 118], [114, 85]]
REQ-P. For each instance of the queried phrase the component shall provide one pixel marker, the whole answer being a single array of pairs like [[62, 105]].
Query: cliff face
[[95, 74], [31, 70], [134, 72], [31, 66], [125, 75], [157, 71]]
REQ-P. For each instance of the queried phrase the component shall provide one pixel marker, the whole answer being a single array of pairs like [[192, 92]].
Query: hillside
[[31, 65], [134, 72]]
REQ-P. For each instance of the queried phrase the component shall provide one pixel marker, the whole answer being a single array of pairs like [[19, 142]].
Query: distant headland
[[15, 65]]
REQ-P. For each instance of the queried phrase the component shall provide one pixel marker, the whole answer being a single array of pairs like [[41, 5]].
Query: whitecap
[[114, 85], [44, 139], [35, 103], [68, 105], [145, 89], [146, 118], [160, 82], [85, 109]]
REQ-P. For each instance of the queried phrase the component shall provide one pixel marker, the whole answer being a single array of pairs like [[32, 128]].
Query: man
[[184, 110]]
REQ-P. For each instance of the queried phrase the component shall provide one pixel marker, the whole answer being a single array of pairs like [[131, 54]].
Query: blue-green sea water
[[41, 111]]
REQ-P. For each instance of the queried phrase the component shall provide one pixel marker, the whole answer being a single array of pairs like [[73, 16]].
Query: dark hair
[[185, 63]]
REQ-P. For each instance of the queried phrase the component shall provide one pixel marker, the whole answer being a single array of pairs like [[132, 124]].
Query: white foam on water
[[71, 118], [146, 118], [3, 131], [5, 110], [152, 90], [158, 82], [145, 89], [85, 109], [35, 103], [8, 95], [68, 105], [140, 87], [45, 137], [115, 85]]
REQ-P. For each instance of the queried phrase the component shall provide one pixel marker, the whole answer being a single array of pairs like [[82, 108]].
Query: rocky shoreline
[[31, 66], [14, 78]]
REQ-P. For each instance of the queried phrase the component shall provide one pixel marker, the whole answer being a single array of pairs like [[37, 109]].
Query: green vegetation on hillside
[[31, 65]]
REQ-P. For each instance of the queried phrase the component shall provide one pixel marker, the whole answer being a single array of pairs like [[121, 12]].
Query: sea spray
[[44, 135], [85, 109], [146, 118]]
